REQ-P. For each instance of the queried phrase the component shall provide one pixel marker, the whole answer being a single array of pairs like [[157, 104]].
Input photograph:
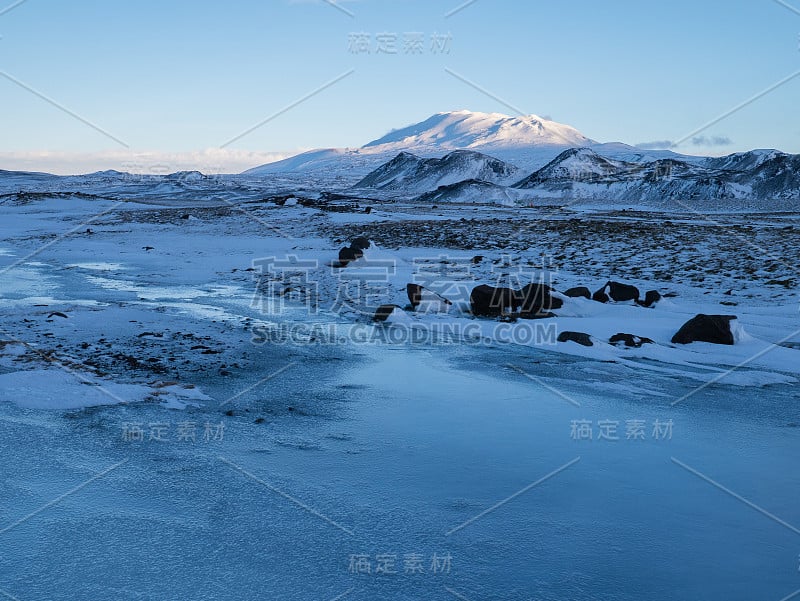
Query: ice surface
[[264, 468]]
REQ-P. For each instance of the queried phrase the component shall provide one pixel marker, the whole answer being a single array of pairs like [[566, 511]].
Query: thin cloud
[[656, 145], [703, 141], [210, 161], [711, 141]]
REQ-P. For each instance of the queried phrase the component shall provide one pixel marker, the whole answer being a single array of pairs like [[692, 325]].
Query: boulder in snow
[[348, 254], [617, 292], [578, 337], [488, 301], [426, 301], [715, 329], [387, 313], [629, 340], [651, 297], [536, 299], [579, 292], [360, 243]]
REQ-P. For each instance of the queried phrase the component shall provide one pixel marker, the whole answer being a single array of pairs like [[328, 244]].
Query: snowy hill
[[466, 129], [759, 179], [526, 142], [755, 176], [576, 164], [471, 191], [756, 180], [410, 173]]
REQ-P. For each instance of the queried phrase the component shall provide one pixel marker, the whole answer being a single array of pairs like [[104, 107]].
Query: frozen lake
[[416, 453], [215, 468]]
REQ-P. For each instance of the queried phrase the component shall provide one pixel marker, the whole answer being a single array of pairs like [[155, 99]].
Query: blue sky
[[176, 80]]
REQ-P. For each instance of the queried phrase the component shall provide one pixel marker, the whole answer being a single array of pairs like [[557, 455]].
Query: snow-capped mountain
[[769, 179], [471, 191], [481, 131], [410, 173], [576, 164], [464, 156], [526, 142]]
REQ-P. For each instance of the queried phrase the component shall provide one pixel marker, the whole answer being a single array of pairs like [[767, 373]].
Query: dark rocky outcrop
[[629, 340], [488, 301], [348, 254], [414, 292], [715, 329], [617, 292], [360, 243], [426, 300], [651, 297], [384, 311], [579, 292], [578, 337], [539, 315], [536, 299]]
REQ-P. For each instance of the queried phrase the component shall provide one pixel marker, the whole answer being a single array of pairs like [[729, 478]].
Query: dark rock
[[368, 210], [414, 292], [651, 297], [579, 337], [537, 298], [616, 292], [360, 243], [629, 340], [384, 311], [488, 301], [579, 292], [432, 302], [539, 315], [477, 259], [706, 328], [348, 254]]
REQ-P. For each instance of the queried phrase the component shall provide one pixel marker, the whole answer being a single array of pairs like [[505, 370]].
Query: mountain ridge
[[527, 142], [581, 174]]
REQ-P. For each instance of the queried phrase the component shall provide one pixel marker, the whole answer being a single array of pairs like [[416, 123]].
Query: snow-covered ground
[[184, 416]]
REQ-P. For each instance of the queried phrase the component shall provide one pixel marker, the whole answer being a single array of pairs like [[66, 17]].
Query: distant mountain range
[[580, 174], [464, 156], [469, 157]]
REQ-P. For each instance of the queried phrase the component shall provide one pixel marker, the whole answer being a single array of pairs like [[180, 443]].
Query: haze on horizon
[[156, 87]]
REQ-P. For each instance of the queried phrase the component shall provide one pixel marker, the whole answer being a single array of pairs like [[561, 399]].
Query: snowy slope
[[472, 191], [527, 142], [474, 130], [764, 181], [410, 173]]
